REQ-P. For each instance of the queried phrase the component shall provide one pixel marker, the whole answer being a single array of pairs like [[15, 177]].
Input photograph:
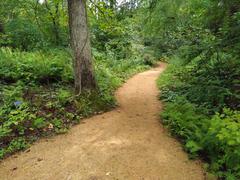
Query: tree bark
[[112, 4], [1, 27], [80, 43]]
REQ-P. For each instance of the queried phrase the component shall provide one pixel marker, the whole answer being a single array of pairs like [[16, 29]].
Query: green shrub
[[213, 82], [215, 138], [222, 143], [183, 118], [19, 28], [39, 123], [16, 145], [64, 96], [35, 67], [149, 60]]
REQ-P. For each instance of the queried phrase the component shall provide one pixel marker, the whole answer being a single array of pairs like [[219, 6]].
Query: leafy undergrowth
[[208, 130], [37, 99]]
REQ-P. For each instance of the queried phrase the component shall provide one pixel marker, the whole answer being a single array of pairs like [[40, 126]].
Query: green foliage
[[57, 123], [39, 123], [15, 123], [214, 137], [30, 25], [63, 96], [183, 118], [222, 142], [149, 60], [36, 93], [206, 75], [17, 28], [202, 82], [36, 67], [214, 84], [16, 145], [36, 74]]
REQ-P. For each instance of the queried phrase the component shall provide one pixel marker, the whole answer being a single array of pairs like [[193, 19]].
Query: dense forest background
[[201, 87]]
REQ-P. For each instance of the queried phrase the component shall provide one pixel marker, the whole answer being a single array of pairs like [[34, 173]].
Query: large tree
[[80, 43]]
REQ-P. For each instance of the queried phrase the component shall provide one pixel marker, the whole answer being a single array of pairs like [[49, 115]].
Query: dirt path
[[126, 144]]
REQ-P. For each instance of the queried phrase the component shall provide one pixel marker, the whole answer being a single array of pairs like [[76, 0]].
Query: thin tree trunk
[[1, 27], [80, 42], [55, 21], [113, 4]]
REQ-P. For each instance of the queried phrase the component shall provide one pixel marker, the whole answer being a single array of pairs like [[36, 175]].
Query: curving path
[[127, 143]]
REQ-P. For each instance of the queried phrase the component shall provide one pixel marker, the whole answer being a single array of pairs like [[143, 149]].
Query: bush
[[19, 28], [222, 143], [212, 135], [35, 67], [213, 82], [149, 60], [216, 139]]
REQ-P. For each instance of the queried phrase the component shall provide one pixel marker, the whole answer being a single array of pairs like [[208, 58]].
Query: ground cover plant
[[37, 96]]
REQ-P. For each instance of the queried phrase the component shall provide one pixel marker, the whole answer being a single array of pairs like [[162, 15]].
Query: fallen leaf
[[14, 169], [39, 159]]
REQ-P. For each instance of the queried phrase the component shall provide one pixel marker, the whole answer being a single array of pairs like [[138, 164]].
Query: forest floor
[[126, 143]]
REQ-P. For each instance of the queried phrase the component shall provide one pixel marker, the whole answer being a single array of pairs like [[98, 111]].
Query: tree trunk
[[55, 20], [1, 27], [112, 4], [80, 42]]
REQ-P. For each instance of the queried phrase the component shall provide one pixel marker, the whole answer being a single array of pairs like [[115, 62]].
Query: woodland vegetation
[[200, 89], [37, 93]]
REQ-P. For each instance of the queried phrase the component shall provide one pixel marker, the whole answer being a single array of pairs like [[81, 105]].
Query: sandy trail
[[127, 143]]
